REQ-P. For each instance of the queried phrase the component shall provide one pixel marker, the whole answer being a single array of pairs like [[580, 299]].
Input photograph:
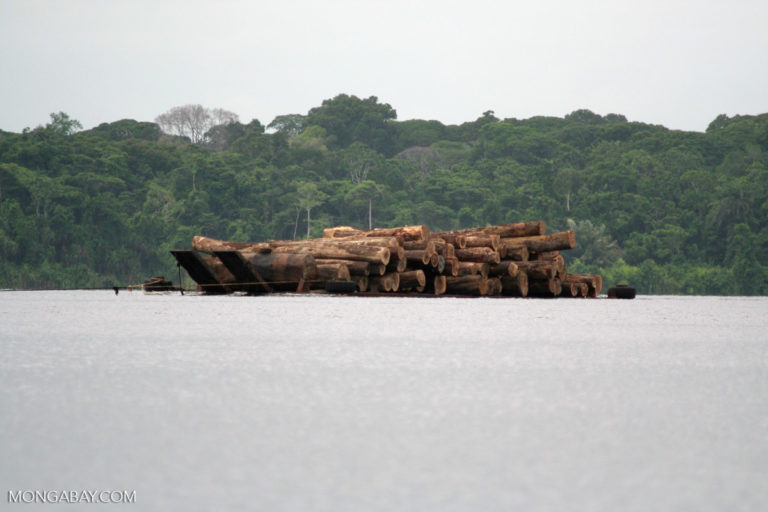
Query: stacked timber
[[510, 260]]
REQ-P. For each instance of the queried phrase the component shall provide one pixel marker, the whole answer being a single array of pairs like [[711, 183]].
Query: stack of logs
[[515, 260]]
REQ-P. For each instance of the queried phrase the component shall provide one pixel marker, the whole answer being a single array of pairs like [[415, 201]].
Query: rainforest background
[[670, 212]]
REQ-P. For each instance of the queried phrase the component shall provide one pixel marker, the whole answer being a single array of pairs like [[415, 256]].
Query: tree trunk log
[[594, 282], [478, 254], [450, 237], [418, 257], [467, 285], [543, 243], [514, 252], [452, 267], [544, 287], [470, 268], [504, 268], [283, 272], [494, 286], [407, 233], [515, 286], [492, 241], [412, 280], [356, 268], [371, 254], [537, 269]]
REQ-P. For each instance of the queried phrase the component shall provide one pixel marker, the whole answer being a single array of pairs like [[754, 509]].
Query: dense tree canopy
[[667, 211]]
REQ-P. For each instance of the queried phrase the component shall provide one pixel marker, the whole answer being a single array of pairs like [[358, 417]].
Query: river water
[[348, 404]]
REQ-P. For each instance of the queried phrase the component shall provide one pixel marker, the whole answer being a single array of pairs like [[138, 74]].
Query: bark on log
[[514, 252], [406, 232], [435, 285], [283, 272], [412, 280], [537, 269], [515, 286], [470, 268], [457, 240], [494, 286], [517, 229], [594, 282], [467, 285], [371, 254], [398, 265], [389, 282], [478, 254], [361, 282], [452, 267], [418, 257], [544, 287], [543, 243], [332, 272], [356, 268], [504, 268], [492, 241]]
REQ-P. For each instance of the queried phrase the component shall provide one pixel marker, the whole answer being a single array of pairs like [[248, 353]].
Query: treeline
[[667, 211]]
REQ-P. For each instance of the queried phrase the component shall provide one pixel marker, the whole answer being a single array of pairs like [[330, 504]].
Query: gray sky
[[669, 62]]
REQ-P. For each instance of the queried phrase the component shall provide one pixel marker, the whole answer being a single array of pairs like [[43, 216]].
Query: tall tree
[[193, 121]]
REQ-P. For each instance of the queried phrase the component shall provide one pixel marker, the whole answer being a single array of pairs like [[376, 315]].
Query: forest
[[667, 211]]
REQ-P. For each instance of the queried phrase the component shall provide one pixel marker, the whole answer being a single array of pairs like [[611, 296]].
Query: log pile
[[510, 260]]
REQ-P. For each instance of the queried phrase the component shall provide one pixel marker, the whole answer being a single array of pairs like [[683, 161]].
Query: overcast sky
[[674, 63]]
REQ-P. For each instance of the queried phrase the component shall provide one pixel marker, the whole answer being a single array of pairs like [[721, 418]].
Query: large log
[[594, 282], [375, 250], [452, 267], [517, 229], [435, 285], [478, 254], [514, 252], [455, 239], [332, 272], [515, 286], [467, 285], [494, 286], [411, 280], [552, 242], [418, 257], [504, 268], [389, 282], [483, 240], [537, 269], [397, 265], [470, 268], [371, 254], [356, 268], [283, 271], [405, 232], [551, 287]]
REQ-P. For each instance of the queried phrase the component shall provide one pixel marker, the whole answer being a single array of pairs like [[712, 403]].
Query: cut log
[[418, 257], [356, 268], [515, 286], [435, 285], [483, 240], [594, 282], [478, 254], [467, 285], [537, 269], [452, 267], [543, 243], [389, 282], [504, 268], [282, 272], [470, 268], [407, 233], [455, 239], [361, 282], [398, 265], [544, 287], [371, 254], [333, 272], [494, 286], [377, 269], [517, 229], [412, 279], [514, 252]]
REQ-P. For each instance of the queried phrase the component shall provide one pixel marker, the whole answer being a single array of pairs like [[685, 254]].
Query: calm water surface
[[350, 404]]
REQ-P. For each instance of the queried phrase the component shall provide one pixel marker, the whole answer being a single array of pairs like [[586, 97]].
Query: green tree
[[62, 124]]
